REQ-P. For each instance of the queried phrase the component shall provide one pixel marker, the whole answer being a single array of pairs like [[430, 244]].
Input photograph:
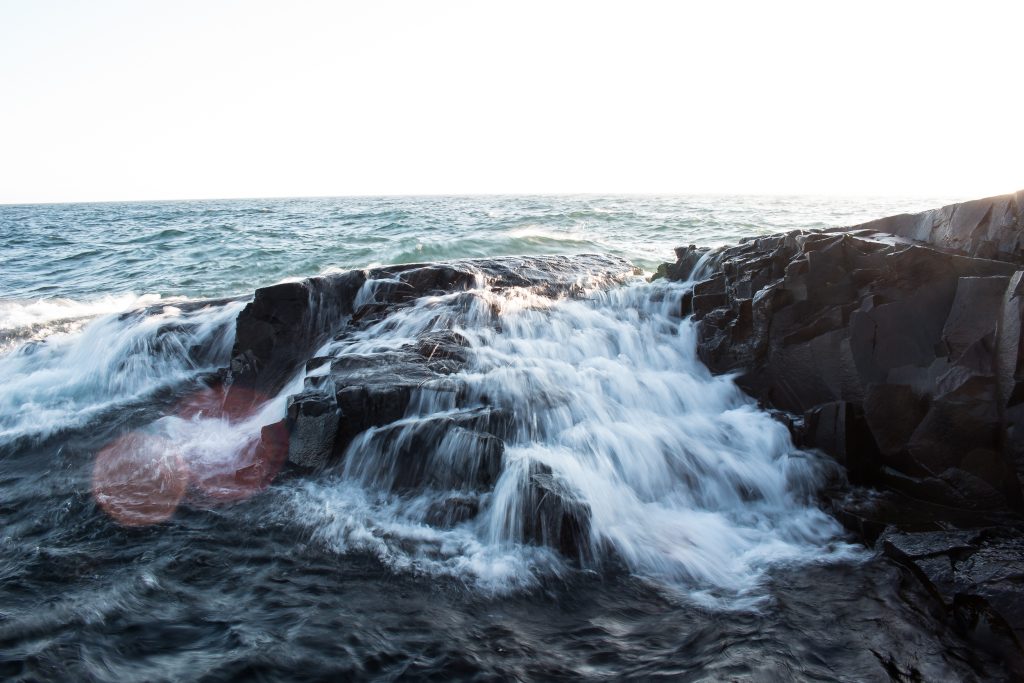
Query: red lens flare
[[251, 470], [232, 403], [141, 479]]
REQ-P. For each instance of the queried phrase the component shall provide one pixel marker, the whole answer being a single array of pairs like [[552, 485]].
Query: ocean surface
[[705, 555]]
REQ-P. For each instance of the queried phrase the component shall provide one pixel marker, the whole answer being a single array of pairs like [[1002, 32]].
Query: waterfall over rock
[[464, 422]]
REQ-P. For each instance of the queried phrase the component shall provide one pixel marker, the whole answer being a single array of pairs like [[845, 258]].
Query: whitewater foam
[[69, 378], [685, 481], [20, 314], [676, 476]]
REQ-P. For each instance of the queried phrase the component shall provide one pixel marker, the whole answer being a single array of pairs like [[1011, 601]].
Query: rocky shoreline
[[895, 347], [353, 393]]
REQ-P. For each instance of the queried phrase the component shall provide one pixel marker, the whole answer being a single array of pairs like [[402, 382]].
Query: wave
[[24, 322], [21, 314], [69, 378], [517, 242]]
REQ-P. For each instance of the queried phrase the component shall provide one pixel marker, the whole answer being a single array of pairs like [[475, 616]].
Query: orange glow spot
[[252, 471], [232, 403], [139, 480]]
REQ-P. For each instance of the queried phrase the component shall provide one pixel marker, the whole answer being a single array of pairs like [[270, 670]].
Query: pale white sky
[[108, 100]]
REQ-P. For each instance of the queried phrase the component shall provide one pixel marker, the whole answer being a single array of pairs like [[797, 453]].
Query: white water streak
[[687, 482], [68, 378]]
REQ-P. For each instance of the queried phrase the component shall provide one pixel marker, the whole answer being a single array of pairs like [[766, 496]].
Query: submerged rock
[[554, 515]]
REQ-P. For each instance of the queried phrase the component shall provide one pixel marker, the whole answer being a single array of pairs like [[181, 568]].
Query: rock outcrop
[[897, 346], [285, 323], [988, 228], [903, 359], [358, 408]]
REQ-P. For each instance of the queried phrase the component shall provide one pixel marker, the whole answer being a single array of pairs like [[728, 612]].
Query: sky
[[125, 100]]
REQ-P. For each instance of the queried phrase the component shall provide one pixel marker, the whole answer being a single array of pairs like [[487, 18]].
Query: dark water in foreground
[[241, 594], [714, 562]]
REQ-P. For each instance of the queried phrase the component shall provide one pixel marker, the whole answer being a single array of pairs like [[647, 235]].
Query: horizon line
[[470, 195]]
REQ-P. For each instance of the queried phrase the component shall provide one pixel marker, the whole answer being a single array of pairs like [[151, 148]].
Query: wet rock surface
[[895, 346], [285, 323], [356, 409], [970, 562], [986, 228]]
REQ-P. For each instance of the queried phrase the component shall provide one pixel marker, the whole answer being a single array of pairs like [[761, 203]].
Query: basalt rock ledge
[[352, 410], [896, 347]]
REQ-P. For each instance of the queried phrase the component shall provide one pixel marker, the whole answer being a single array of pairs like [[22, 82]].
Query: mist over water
[[134, 551]]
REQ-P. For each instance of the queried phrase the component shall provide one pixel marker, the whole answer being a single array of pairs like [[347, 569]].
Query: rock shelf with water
[[535, 467], [896, 347]]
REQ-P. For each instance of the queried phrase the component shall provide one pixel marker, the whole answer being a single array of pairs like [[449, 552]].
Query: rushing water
[[702, 554]]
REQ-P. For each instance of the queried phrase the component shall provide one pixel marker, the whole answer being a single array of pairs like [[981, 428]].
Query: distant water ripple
[[229, 247]]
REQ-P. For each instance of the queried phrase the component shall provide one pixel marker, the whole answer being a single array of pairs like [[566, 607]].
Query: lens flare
[[246, 472], [139, 479], [212, 449], [233, 403]]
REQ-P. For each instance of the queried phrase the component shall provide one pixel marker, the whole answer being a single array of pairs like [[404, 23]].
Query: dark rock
[[452, 510], [903, 357], [441, 453], [312, 426], [400, 419], [893, 412], [285, 323], [977, 574], [841, 429], [369, 405], [554, 515], [988, 228], [971, 562], [687, 259], [900, 344]]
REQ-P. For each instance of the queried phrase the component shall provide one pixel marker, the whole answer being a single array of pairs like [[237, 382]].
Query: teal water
[[83, 252]]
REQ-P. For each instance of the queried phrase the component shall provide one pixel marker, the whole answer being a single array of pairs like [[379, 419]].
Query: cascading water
[[607, 416], [72, 377], [579, 428]]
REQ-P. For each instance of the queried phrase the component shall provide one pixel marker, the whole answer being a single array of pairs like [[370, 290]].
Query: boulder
[[549, 513], [285, 323], [312, 423], [687, 259], [430, 453], [452, 509]]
